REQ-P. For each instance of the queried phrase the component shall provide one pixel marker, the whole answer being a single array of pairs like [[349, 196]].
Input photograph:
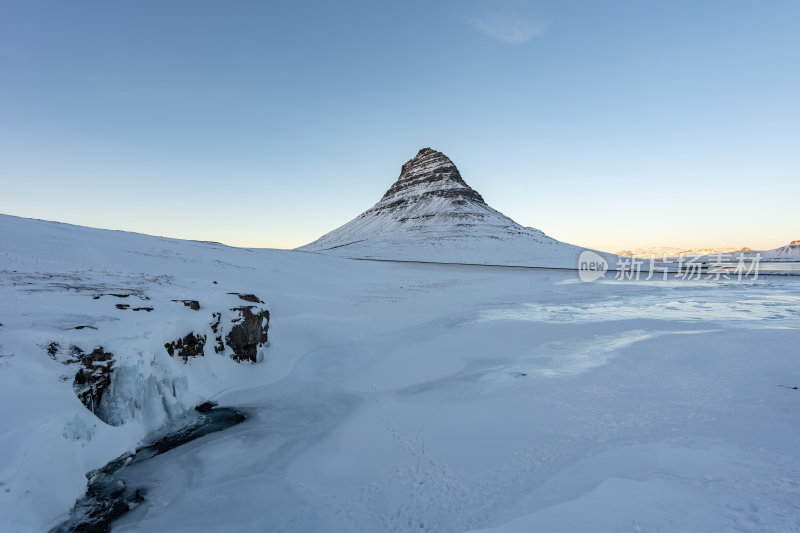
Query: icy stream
[[108, 496]]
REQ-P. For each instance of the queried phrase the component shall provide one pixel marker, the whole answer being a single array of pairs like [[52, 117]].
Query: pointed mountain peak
[[426, 160], [430, 173]]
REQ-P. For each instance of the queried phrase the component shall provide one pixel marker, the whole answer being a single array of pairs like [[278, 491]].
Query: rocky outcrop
[[194, 305], [219, 347], [248, 297], [247, 330], [109, 387], [93, 376], [249, 333], [126, 306], [189, 346]]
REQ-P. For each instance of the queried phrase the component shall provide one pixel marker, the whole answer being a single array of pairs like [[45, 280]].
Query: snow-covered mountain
[[431, 214], [790, 251]]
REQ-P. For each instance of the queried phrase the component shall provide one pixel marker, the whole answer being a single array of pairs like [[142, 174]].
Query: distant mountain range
[[790, 251], [430, 214], [674, 251]]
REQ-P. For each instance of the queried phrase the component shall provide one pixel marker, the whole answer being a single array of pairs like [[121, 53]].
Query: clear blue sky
[[605, 124]]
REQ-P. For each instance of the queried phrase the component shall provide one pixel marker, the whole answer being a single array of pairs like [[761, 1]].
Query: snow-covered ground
[[400, 397]]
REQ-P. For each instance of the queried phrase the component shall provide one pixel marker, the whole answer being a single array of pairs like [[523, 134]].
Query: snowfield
[[398, 397]]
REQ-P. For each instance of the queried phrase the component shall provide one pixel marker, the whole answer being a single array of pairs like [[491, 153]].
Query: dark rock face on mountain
[[430, 190], [249, 333], [429, 174]]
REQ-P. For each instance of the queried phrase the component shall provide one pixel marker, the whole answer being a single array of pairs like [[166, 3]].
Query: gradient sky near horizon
[[612, 125]]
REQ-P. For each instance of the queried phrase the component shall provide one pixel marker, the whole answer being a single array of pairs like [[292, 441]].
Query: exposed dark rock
[[205, 407], [76, 354], [132, 292], [123, 306], [84, 327], [219, 347], [248, 334], [189, 346], [94, 376], [52, 349], [148, 309], [194, 305], [217, 319], [248, 297]]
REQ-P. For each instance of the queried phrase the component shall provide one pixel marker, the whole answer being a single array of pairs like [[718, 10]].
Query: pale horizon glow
[[615, 126]]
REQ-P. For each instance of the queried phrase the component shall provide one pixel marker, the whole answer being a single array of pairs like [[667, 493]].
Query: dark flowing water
[[108, 497]]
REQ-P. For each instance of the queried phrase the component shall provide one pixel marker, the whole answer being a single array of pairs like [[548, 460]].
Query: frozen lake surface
[[514, 401]]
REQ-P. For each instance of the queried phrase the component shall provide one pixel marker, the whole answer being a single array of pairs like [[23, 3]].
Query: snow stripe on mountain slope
[[431, 214]]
